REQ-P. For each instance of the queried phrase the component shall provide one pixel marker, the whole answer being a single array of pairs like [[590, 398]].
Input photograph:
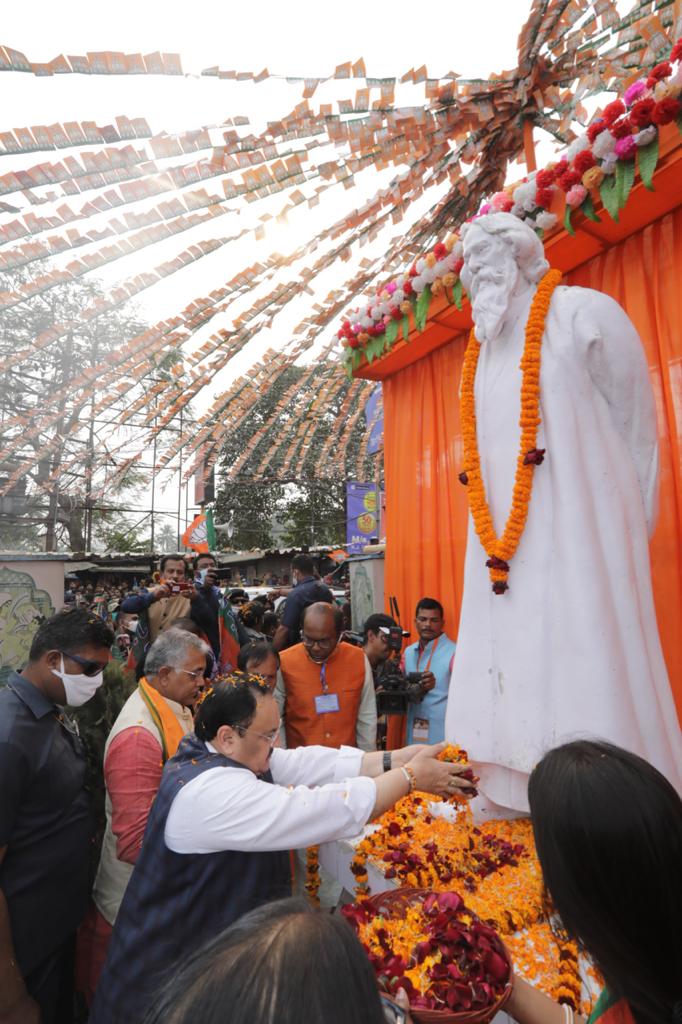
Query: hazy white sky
[[299, 39]]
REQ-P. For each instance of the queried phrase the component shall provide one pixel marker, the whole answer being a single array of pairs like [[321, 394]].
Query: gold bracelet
[[410, 776]]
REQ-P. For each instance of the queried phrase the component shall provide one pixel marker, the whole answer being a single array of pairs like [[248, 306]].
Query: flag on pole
[[200, 534]]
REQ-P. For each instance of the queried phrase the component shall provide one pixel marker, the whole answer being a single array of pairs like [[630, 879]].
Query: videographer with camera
[[173, 597], [432, 656], [375, 641]]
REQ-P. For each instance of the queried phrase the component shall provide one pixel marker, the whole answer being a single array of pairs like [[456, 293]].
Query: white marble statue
[[572, 648]]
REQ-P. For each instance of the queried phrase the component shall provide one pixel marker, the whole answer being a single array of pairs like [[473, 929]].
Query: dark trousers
[[51, 985]]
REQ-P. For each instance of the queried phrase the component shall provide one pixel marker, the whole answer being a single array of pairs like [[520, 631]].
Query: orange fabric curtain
[[426, 511]]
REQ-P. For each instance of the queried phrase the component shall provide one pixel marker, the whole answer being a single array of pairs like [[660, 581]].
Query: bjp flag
[[200, 534]]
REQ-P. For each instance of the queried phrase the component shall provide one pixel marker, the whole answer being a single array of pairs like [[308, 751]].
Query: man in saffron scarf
[[145, 735]]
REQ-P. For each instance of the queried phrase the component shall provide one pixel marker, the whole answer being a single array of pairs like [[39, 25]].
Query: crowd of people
[[247, 737]]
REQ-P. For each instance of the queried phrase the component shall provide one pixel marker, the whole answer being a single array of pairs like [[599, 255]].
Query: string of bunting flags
[[455, 144]]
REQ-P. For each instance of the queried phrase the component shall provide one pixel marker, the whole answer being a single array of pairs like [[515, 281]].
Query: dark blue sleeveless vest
[[176, 902]]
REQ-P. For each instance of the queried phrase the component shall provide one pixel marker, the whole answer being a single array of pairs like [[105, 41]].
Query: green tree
[[316, 514], [306, 497], [53, 502]]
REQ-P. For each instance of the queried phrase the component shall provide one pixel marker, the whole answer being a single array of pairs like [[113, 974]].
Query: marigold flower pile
[[437, 951], [494, 869]]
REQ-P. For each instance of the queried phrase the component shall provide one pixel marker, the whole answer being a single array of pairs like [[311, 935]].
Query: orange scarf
[[170, 730]]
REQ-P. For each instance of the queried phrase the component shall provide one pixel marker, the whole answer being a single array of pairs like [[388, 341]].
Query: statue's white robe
[[572, 649]]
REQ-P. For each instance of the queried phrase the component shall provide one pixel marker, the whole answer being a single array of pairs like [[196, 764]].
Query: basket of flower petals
[[453, 967]]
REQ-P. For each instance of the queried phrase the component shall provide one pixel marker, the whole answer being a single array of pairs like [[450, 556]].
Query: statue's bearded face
[[490, 275]]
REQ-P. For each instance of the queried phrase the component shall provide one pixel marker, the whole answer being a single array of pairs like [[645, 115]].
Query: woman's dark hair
[[608, 831], [256, 653], [70, 630], [230, 700], [283, 963], [252, 614]]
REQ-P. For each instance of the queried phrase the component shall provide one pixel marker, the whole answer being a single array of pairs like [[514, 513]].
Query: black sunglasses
[[90, 668]]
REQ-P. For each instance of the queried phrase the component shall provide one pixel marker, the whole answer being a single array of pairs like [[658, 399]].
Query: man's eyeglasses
[[324, 644], [198, 672], [271, 737], [90, 668]]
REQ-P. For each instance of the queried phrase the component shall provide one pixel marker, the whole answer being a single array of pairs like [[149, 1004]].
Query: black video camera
[[396, 690]]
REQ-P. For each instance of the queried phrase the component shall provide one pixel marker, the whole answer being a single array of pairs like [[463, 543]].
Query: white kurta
[[572, 649]]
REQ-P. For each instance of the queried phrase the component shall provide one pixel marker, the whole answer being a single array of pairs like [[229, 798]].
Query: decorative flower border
[[600, 164]]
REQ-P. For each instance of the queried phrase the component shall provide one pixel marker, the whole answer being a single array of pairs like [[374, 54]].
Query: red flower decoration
[[439, 251], [560, 168], [677, 51], [642, 112], [497, 563], [584, 161], [568, 179], [596, 129], [396, 313], [457, 269], [666, 111], [621, 129], [543, 179], [543, 197], [535, 457], [353, 341], [612, 111], [407, 287], [413, 270], [658, 73], [499, 587]]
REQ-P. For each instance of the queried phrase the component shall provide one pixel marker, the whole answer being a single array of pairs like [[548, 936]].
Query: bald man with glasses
[[325, 688]]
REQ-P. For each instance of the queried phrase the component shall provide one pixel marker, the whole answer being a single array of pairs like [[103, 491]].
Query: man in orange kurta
[[325, 689]]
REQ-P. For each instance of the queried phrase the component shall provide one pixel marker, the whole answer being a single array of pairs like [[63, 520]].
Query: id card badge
[[326, 703], [420, 730]]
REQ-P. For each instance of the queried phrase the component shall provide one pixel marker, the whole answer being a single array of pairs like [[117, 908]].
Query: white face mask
[[78, 688], [132, 625]]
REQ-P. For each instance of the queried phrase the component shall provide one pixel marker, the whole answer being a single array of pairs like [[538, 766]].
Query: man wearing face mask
[[45, 816]]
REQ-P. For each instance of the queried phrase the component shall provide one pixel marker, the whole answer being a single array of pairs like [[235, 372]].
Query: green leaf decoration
[[588, 209], [609, 196], [457, 292], [422, 308], [356, 358], [625, 178], [391, 333], [375, 347], [406, 327], [647, 159], [567, 220]]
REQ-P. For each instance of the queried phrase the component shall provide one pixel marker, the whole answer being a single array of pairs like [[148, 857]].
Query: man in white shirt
[[229, 809]]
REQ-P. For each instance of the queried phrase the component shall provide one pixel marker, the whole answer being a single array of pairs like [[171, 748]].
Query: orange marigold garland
[[501, 550], [312, 874]]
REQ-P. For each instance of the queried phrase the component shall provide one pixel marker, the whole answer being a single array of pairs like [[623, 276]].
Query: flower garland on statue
[[501, 550]]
